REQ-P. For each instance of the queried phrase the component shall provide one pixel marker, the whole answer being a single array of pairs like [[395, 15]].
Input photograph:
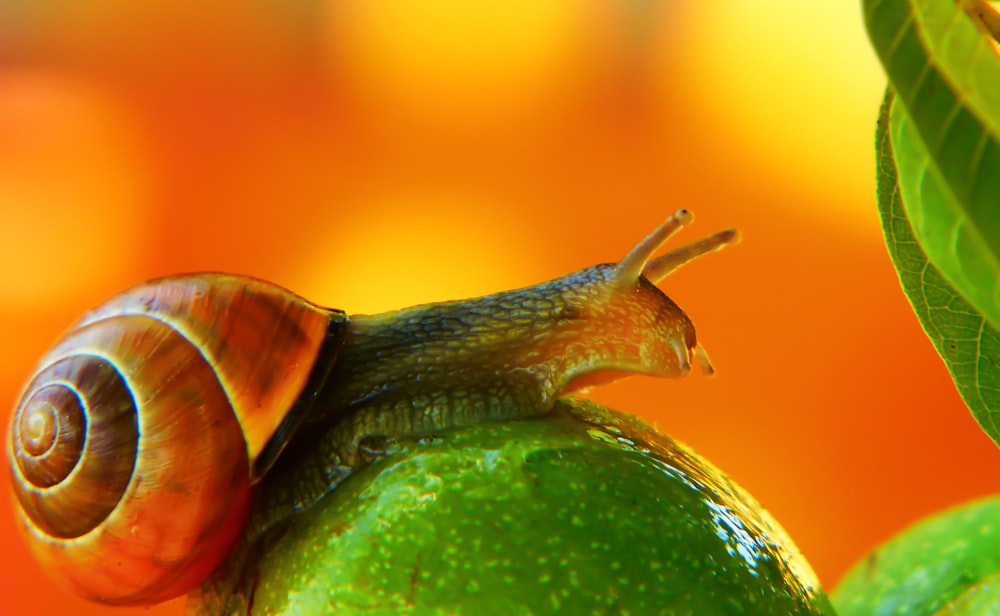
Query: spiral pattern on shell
[[132, 445], [80, 401]]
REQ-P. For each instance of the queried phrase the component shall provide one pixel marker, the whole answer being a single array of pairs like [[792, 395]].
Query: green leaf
[[582, 511], [969, 346], [945, 564], [945, 126]]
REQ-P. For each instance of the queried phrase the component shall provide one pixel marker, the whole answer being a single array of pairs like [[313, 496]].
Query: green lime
[[948, 563], [583, 511]]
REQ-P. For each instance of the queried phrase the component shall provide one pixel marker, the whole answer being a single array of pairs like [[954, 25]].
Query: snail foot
[[374, 446]]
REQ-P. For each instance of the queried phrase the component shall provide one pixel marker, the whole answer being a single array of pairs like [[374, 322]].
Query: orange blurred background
[[375, 154]]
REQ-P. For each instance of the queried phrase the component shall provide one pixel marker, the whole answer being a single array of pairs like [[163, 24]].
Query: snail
[[137, 442]]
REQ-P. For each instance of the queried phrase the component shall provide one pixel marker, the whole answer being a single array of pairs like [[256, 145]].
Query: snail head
[[634, 327]]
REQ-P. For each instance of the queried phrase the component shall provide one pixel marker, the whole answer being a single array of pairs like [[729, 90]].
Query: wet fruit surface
[[582, 511], [947, 563]]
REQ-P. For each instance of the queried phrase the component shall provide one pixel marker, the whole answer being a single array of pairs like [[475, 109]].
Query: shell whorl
[[52, 428], [132, 445]]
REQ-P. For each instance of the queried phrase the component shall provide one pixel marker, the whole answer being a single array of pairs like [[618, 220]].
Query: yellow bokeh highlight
[[70, 189], [455, 60], [417, 249], [782, 86]]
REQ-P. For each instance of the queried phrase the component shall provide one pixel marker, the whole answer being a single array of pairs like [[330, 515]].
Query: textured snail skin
[[176, 385], [434, 367], [420, 371], [428, 369], [137, 441]]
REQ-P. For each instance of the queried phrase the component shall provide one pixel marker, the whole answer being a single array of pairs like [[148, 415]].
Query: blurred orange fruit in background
[[70, 174], [372, 155]]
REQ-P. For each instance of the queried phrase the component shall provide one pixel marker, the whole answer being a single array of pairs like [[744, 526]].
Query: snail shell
[[135, 443]]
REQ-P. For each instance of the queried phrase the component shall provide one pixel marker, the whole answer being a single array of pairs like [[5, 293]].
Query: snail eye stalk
[[639, 261]]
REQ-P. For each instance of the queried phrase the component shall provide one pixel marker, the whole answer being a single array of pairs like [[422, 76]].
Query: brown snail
[[136, 443]]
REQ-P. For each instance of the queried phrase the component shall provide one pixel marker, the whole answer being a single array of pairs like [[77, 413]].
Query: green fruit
[[948, 563], [583, 511]]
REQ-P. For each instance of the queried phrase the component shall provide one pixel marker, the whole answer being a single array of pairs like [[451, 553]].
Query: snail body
[[136, 444]]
